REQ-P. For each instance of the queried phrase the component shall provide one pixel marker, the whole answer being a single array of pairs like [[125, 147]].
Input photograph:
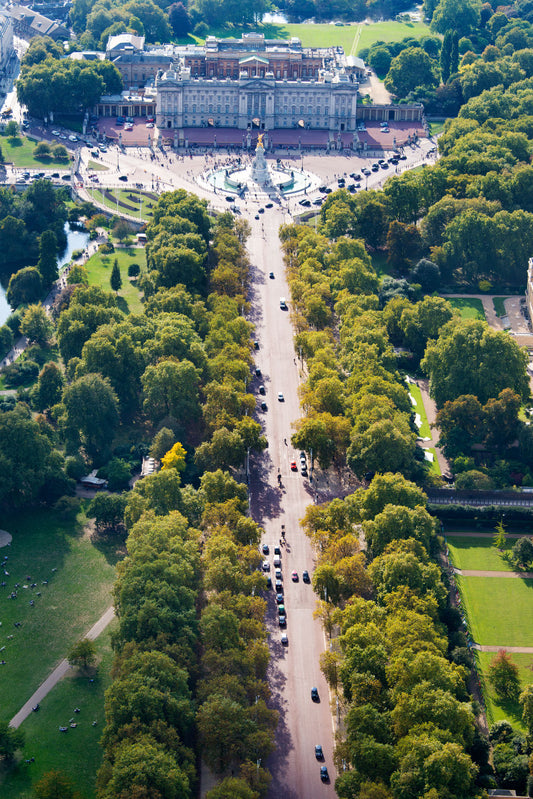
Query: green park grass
[[498, 710], [97, 167], [78, 592], [478, 553], [77, 752], [390, 31], [99, 268], [128, 196], [468, 307], [499, 306], [435, 128], [434, 467], [19, 152], [499, 610], [380, 264], [424, 431], [351, 37]]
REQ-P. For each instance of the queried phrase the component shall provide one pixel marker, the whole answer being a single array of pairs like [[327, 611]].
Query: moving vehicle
[[314, 694], [281, 398], [294, 467], [324, 776], [319, 754], [305, 576], [294, 576], [283, 303], [271, 275]]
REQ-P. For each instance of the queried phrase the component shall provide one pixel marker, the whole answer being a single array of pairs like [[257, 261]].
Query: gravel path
[[59, 672], [485, 573]]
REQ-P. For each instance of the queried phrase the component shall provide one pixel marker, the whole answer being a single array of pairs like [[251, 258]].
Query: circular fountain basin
[[283, 181]]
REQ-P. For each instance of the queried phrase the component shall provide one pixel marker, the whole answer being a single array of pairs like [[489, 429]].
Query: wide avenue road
[[294, 668]]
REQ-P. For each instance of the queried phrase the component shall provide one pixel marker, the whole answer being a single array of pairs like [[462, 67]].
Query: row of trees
[[397, 657], [49, 82], [355, 402]]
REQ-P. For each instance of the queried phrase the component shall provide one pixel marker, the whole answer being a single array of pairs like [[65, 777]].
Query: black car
[[258, 372], [262, 390], [314, 694], [324, 776], [305, 576], [323, 188], [384, 165], [269, 582], [375, 167], [352, 187], [319, 754], [328, 190], [282, 621], [264, 406], [265, 549], [256, 345], [269, 205], [271, 275], [279, 586], [260, 210], [305, 203], [123, 177]]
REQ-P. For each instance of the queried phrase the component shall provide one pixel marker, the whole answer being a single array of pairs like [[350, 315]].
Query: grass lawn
[[19, 151], [80, 579], [478, 553], [424, 431], [351, 37], [129, 197], [499, 307], [468, 307], [499, 610], [435, 128], [496, 709], [100, 266], [96, 166], [390, 31], [76, 752], [381, 265], [434, 467]]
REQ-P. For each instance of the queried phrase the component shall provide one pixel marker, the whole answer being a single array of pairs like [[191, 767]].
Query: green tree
[[49, 386], [82, 653], [108, 511], [500, 536], [24, 286], [116, 279], [411, 68], [389, 489], [162, 443], [503, 674], [471, 358], [403, 244], [55, 784], [36, 325], [456, 15], [170, 388], [11, 739], [445, 56], [78, 274], [526, 703], [91, 414], [523, 552], [47, 263]]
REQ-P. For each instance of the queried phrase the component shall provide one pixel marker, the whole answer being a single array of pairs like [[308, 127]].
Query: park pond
[[76, 240]]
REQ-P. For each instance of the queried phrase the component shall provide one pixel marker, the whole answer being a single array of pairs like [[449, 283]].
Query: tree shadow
[[122, 304]]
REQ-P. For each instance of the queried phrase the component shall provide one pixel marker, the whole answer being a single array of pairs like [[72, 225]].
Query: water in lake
[[76, 240]]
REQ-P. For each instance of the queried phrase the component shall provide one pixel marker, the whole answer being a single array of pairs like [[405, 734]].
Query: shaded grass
[[424, 431], [499, 610], [433, 466], [99, 268], [78, 592], [497, 710], [19, 152], [76, 752], [478, 553], [381, 265], [499, 306], [435, 128], [468, 307]]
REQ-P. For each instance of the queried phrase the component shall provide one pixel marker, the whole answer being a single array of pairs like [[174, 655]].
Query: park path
[[486, 573], [518, 650], [464, 534], [431, 413], [59, 672]]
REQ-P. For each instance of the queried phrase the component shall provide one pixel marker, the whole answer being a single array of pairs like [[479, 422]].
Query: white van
[[283, 303]]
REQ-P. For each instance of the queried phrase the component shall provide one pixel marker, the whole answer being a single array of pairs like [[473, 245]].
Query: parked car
[[314, 694], [305, 576], [319, 754]]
